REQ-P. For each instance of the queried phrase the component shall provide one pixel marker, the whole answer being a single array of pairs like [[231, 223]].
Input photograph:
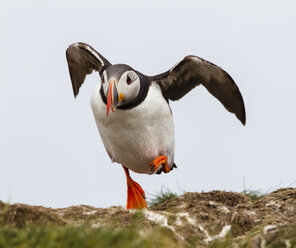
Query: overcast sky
[[50, 151]]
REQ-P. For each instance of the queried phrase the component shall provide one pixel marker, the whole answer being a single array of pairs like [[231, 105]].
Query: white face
[[128, 85]]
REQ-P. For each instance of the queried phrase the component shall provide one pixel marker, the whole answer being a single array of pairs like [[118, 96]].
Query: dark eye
[[128, 80], [102, 80]]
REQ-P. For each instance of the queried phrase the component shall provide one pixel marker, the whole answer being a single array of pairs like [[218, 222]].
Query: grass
[[33, 235], [85, 236], [82, 236], [161, 197], [133, 236], [254, 195]]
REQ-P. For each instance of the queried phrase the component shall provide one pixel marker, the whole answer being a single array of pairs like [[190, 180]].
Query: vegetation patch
[[163, 196], [214, 219], [254, 195], [82, 236]]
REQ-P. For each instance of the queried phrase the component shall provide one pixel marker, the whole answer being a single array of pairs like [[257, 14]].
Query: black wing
[[192, 71], [82, 60]]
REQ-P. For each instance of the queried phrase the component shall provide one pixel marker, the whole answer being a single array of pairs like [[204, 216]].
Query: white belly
[[137, 136]]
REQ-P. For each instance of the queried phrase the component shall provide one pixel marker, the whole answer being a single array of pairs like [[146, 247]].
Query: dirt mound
[[200, 218], [20, 214]]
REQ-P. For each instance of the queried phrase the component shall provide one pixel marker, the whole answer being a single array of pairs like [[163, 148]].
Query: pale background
[[50, 151]]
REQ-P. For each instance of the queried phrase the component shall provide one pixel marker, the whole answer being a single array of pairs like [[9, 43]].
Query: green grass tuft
[[254, 195], [164, 195]]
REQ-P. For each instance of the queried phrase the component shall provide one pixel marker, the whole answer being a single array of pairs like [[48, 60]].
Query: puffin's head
[[121, 85]]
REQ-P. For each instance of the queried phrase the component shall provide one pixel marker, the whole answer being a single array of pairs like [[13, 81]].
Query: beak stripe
[[109, 98]]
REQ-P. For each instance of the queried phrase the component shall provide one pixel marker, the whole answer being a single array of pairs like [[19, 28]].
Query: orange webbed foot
[[160, 164], [135, 194]]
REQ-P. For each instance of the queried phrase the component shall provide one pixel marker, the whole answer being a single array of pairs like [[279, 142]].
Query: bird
[[132, 110]]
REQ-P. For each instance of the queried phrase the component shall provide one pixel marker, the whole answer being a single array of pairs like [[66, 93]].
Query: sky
[[51, 153]]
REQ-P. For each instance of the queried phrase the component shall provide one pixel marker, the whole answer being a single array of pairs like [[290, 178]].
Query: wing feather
[[82, 60], [193, 71]]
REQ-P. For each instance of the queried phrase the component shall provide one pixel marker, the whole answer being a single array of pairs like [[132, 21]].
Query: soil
[[204, 217]]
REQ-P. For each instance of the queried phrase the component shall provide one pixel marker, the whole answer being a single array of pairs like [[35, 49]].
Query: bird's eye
[[102, 80], [128, 80]]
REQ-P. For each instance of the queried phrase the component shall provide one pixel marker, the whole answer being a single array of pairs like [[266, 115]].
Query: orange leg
[[159, 165], [135, 194]]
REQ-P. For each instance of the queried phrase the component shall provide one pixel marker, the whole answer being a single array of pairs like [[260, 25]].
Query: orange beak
[[113, 98]]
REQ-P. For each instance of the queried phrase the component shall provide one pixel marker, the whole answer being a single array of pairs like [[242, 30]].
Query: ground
[[213, 219]]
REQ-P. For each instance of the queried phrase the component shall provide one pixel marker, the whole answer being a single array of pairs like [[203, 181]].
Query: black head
[[123, 87]]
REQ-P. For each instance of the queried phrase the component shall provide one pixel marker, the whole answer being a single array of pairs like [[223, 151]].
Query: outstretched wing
[[82, 60], [192, 71]]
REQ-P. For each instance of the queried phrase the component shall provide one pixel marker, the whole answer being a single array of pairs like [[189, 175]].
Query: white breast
[[137, 136]]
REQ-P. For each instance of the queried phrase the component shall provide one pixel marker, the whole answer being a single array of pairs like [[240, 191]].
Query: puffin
[[132, 110]]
